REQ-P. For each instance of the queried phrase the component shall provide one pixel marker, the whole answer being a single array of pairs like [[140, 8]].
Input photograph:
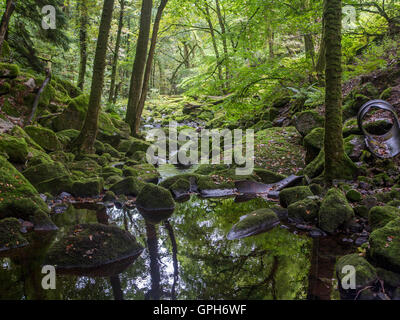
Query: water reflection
[[187, 257]]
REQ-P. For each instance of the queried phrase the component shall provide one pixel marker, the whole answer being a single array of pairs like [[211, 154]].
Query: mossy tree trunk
[[337, 164], [321, 62], [83, 31], [86, 139], [149, 64], [10, 6], [139, 64], [116, 52]]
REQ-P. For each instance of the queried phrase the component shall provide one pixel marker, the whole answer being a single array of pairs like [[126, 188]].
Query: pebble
[[361, 240], [317, 233]]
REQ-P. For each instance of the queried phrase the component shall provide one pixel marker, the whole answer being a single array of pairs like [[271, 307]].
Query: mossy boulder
[[10, 235], [144, 172], [268, 176], [56, 185], [180, 187], [354, 196], [206, 169], [73, 116], [87, 166], [314, 142], [110, 171], [130, 186], [109, 196], [304, 210], [15, 148], [87, 247], [306, 121], [294, 194], [44, 137], [5, 87], [45, 171], [155, 203], [378, 217], [137, 145], [61, 156], [256, 222], [88, 187], [366, 274], [7, 70], [153, 197], [385, 246], [335, 211], [389, 278]]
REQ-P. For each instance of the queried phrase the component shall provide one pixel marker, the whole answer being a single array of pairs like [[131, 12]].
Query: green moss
[[43, 172], [378, 217], [334, 211], [88, 188], [109, 196], [181, 186], [394, 203], [17, 196], [130, 186], [9, 70], [137, 145], [15, 148], [304, 210], [18, 132], [365, 272], [351, 127], [153, 197], [73, 116], [110, 171], [70, 134], [4, 88], [72, 90], [292, 195], [92, 245], [144, 172], [10, 235], [389, 278], [385, 246], [206, 169], [57, 185], [386, 93], [44, 137], [109, 149], [60, 156], [89, 167], [268, 176], [353, 196], [315, 167]]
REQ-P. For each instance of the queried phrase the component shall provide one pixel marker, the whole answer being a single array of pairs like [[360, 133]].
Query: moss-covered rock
[[73, 116], [351, 127], [354, 146], [353, 196], [18, 198], [10, 235], [180, 187], [306, 121], [389, 278], [109, 196], [256, 222], [268, 176], [15, 148], [88, 246], [334, 211], [44, 137], [314, 142], [56, 185], [304, 210], [378, 217], [9, 70], [110, 171], [88, 188], [385, 246], [153, 197], [87, 166], [144, 172], [45, 171], [111, 150], [130, 186], [316, 166], [5, 87], [292, 195], [61, 156], [365, 274], [137, 145]]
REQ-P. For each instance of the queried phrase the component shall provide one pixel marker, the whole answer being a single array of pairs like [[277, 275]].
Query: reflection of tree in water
[[273, 265]]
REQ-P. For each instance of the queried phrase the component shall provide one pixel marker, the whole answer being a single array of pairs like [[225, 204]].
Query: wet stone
[[360, 241]]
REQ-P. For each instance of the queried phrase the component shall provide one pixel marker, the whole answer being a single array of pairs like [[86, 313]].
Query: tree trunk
[[139, 64], [224, 40], [116, 52], [149, 65], [84, 21], [321, 63], [85, 141], [10, 6], [309, 48], [337, 164]]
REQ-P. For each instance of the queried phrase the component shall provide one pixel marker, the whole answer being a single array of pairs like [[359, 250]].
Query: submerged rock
[[94, 250], [257, 222], [334, 211], [385, 246]]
